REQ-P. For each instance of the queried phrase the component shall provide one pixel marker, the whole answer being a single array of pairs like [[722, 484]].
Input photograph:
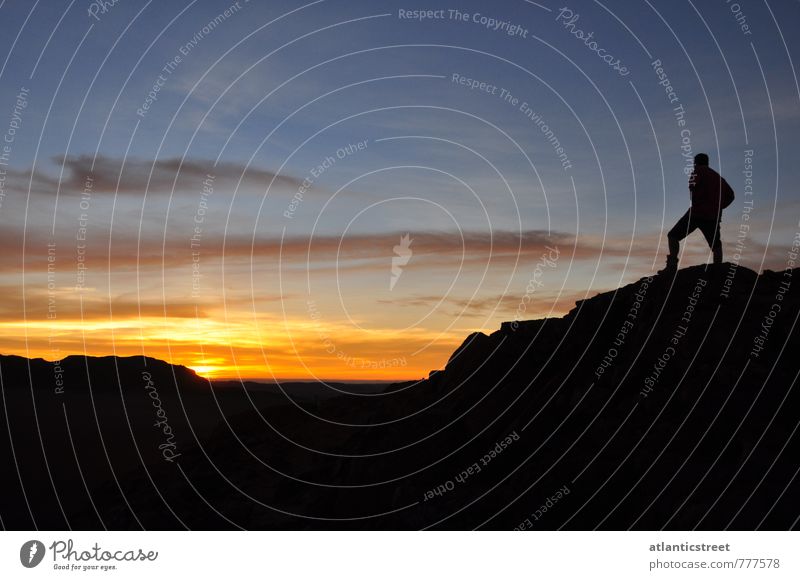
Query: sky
[[346, 189]]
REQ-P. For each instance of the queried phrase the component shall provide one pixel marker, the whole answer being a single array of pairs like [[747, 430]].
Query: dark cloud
[[135, 176]]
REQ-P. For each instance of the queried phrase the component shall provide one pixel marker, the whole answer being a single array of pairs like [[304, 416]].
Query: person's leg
[[711, 232], [674, 245], [678, 232]]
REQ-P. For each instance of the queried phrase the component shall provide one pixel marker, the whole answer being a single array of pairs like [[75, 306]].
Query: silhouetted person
[[710, 194]]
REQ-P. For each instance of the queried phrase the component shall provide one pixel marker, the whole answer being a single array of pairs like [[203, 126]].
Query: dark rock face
[[669, 403]]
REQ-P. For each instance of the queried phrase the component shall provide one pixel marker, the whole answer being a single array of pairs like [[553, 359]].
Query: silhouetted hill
[[73, 425], [669, 403]]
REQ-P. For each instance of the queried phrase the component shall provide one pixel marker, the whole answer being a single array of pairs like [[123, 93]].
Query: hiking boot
[[671, 267]]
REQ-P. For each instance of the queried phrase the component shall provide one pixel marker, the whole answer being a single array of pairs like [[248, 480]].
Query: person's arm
[[693, 185]]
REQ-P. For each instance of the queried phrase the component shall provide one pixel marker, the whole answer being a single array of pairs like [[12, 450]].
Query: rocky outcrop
[[668, 403]]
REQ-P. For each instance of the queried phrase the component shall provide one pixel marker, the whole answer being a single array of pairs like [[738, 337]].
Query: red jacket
[[707, 189]]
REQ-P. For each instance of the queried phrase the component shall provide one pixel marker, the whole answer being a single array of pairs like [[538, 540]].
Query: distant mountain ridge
[[668, 403]]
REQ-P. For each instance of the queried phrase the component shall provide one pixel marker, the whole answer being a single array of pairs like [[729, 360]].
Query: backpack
[[727, 195]]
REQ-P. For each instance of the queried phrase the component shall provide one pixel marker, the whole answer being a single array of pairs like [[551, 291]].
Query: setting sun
[[207, 371]]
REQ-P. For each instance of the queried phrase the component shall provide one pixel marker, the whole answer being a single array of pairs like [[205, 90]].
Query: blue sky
[[275, 88]]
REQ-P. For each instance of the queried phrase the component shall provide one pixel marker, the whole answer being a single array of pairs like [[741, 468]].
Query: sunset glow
[[259, 209]]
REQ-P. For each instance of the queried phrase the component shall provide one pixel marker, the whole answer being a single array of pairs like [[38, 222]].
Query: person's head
[[701, 159]]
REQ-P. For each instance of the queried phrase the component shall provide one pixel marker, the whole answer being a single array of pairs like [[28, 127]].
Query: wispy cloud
[[358, 251], [136, 176]]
